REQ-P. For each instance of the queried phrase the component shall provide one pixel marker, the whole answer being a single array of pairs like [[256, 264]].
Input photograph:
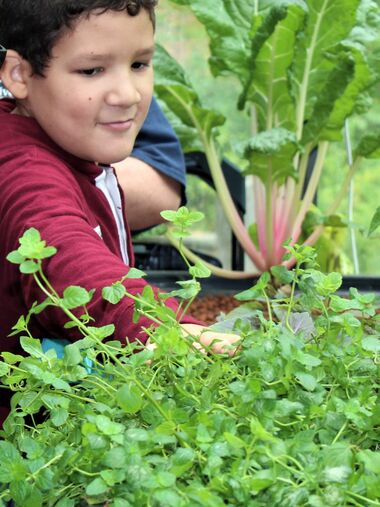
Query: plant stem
[[351, 193], [341, 194], [232, 215], [310, 191], [269, 218], [225, 273], [340, 432]]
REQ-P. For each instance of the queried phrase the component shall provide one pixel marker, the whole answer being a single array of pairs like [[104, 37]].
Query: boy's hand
[[221, 343]]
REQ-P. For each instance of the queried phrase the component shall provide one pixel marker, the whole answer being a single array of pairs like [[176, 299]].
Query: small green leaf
[[326, 284], [200, 270], [120, 502], [59, 416], [10, 358], [307, 381], [102, 332], [96, 487], [256, 291], [74, 297], [307, 359], [182, 461], [15, 257], [169, 215], [114, 293], [32, 247], [108, 427], [337, 474], [371, 343], [375, 222], [134, 273], [371, 460], [65, 502], [72, 354], [282, 274], [258, 430], [190, 288], [29, 267], [32, 347], [4, 368], [234, 441], [129, 399]]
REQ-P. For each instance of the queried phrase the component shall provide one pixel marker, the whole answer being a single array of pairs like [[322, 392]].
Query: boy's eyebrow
[[105, 56], [145, 51]]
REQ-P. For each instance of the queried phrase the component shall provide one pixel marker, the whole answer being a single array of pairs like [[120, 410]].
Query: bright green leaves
[[96, 487], [12, 467], [369, 146], [32, 247], [75, 296], [292, 417], [272, 53], [175, 90], [271, 154], [31, 251], [326, 285], [117, 291], [228, 24], [114, 293], [328, 23], [129, 399], [182, 220], [375, 222], [257, 290]]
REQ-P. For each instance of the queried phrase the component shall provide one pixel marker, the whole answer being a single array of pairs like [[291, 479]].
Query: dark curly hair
[[32, 27]]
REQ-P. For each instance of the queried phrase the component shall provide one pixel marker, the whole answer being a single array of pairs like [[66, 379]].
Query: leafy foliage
[[292, 418]]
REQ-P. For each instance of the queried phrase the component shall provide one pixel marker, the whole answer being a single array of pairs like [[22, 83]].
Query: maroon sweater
[[44, 187]]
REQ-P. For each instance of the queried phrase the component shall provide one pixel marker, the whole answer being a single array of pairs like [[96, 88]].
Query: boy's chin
[[113, 160]]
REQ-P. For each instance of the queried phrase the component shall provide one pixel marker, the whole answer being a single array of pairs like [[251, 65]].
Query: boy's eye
[[140, 65], [91, 72]]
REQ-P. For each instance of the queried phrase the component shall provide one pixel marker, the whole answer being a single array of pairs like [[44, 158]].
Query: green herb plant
[[304, 67], [291, 419]]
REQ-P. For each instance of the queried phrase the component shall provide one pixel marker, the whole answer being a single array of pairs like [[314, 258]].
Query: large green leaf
[[332, 92], [173, 87], [360, 79], [271, 155], [328, 23], [369, 146], [227, 23], [272, 52]]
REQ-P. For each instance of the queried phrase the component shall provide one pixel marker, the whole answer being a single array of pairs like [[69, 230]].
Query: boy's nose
[[123, 93]]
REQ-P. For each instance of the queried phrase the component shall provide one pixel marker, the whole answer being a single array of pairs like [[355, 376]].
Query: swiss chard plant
[[292, 418], [304, 67]]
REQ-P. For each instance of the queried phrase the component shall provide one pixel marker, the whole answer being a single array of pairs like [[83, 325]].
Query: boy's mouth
[[118, 126]]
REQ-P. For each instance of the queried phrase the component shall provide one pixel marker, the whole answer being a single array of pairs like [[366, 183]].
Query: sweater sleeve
[[44, 194]]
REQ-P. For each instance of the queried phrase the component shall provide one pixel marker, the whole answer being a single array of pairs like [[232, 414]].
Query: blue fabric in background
[[157, 144], [59, 345]]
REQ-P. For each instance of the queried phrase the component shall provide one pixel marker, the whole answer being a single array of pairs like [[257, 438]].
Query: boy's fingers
[[221, 343]]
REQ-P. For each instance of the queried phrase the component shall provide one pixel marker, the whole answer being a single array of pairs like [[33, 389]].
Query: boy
[[80, 72]]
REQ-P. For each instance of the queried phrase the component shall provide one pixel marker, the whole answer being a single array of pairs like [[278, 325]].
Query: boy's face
[[98, 86]]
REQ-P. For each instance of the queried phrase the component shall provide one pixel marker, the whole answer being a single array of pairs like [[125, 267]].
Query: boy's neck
[[20, 111]]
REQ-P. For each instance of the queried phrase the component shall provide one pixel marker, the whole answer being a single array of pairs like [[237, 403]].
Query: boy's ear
[[15, 72]]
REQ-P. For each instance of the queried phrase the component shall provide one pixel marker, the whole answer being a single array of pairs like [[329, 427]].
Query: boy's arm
[[147, 192], [154, 177], [43, 194]]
